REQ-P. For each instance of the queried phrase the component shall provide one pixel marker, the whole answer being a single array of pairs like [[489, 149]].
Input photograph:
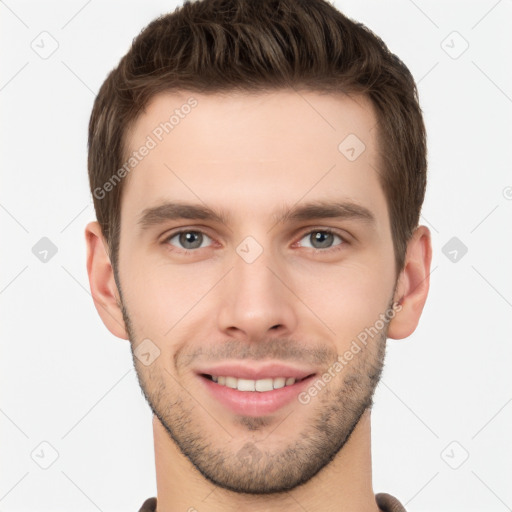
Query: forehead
[[253, 151]]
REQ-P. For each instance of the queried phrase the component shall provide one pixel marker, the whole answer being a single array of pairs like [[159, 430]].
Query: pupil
[[319, 235], [188, 238], [194, 238]]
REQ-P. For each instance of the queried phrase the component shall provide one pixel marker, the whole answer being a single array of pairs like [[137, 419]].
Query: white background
[[67, 381]]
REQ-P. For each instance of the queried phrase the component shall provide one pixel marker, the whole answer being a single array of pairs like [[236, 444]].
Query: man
[[258, 170]]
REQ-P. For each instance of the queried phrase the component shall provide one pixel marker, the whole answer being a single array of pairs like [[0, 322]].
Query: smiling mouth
[[250, 385]]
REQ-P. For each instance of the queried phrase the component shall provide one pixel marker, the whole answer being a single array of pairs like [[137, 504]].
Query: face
[[256, 249]]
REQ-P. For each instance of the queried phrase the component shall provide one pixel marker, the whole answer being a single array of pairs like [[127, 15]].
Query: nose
[[256, 300]]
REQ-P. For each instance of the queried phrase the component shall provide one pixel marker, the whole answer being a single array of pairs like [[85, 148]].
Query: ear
[[101, 280], [413, 284]]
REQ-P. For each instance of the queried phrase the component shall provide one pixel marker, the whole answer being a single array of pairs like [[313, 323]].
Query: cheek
[[159, 297], [348, 297]]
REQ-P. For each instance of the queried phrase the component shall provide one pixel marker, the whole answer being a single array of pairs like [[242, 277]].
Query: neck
[[344, 485]]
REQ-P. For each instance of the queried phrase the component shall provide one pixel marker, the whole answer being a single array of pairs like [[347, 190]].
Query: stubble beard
[[247, 467]]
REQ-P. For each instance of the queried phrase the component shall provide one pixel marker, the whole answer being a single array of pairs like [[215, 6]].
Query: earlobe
[[413, 284], [102, 283]]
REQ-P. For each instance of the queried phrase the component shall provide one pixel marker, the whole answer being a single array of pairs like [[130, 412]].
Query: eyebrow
[[314, 210]]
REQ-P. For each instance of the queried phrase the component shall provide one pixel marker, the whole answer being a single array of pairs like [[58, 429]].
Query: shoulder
[[388, 503], [149, 505]]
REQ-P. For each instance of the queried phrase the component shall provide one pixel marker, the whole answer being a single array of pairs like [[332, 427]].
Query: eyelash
[[187, 252]]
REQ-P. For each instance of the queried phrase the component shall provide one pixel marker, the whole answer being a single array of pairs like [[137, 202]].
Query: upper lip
[[255, 371]]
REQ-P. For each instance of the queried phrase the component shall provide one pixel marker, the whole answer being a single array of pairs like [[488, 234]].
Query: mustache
[[282, 349]]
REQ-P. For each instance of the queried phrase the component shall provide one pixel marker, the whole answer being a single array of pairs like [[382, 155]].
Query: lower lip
[[255, 403]]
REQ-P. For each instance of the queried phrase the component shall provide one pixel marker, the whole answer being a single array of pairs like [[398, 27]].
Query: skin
[[256, 156]]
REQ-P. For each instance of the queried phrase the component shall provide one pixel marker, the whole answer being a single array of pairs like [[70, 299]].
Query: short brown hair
[[213, 46]]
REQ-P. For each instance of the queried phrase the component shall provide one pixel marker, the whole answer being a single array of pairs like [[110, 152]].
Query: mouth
[[254, 397], [260, 385]]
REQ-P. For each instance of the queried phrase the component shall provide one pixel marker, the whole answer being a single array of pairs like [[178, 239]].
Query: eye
[[189, 239], [323, 239]]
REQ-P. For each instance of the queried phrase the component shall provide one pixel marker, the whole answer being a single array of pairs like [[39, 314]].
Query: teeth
[[245, 385], [261, 385], [279, 382], [231, 382], [264, 385]]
